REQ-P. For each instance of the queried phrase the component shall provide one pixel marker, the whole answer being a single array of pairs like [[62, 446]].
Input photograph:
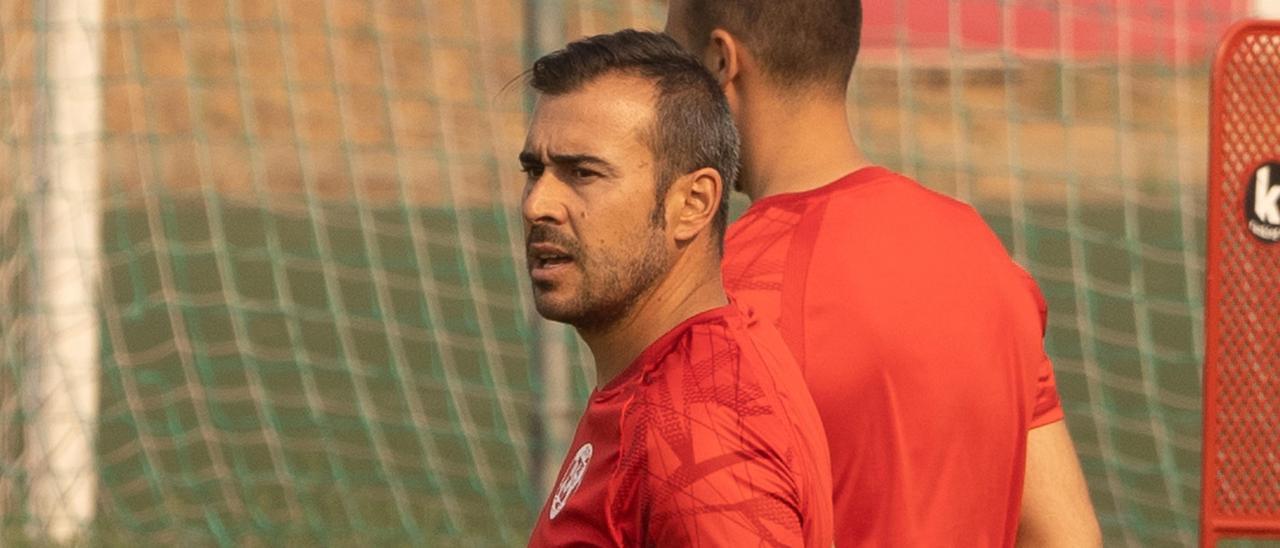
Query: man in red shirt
[[701, 430], [919, 337]]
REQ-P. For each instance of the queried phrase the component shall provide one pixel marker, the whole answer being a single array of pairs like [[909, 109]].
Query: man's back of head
[[785, 68], [802, 46]]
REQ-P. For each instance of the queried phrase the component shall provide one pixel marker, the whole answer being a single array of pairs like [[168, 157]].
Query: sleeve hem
[[1046, 418]]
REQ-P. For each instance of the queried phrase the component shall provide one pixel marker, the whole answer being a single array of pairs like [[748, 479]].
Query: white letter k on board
[[1266, 199]]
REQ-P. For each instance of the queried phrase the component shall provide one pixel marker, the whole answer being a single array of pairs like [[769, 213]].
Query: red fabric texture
[[709, 438], [921, 342]]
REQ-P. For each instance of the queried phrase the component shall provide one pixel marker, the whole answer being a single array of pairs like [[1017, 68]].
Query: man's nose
[[543, 202]]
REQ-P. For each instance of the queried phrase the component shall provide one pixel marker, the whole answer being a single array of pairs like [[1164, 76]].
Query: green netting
[[313, 328]]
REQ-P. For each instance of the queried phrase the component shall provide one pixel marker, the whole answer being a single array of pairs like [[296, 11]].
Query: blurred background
[[267, 252]]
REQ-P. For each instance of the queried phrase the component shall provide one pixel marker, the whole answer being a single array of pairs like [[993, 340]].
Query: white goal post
[[62, 377]]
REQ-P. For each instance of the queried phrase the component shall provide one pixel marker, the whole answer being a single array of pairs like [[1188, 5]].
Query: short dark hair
[[692, 125], [801, 44]]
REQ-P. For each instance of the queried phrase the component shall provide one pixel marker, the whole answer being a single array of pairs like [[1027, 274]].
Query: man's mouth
[[546, 257], [551, 261]]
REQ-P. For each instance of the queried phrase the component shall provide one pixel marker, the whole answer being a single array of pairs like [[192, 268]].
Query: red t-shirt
[[709, 438], [921, 342]]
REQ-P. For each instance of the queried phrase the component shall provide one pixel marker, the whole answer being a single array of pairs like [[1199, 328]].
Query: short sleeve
[[733, 489], [706, 462], [1048, 407]]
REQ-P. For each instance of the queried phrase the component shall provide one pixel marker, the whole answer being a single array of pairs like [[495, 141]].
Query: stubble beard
[[609, 288]]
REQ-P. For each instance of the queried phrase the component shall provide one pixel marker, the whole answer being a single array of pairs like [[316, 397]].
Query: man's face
[[592, 245]]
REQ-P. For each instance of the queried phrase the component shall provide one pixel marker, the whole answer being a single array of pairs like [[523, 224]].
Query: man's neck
[[797, 145], [681, 294]]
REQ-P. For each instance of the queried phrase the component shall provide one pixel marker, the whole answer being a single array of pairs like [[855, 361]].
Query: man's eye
[[533, 172], [581, 173]]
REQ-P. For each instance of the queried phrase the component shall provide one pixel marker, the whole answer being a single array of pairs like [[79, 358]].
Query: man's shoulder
[[704, 339], [894, 195], [704, 440], [901, 216], [705, 353], [874, 199], [715, 374]]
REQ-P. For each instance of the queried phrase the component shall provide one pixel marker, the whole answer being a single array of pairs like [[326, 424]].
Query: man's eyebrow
[[529, 158], [578, 159]]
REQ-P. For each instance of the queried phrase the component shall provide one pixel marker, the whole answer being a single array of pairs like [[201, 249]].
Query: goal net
[[300, 252]]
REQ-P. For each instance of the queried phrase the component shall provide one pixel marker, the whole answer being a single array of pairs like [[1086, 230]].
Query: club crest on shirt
[[571, 480]]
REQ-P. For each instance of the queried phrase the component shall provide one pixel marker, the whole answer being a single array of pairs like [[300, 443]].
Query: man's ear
[[692, 203], [723, 56]]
